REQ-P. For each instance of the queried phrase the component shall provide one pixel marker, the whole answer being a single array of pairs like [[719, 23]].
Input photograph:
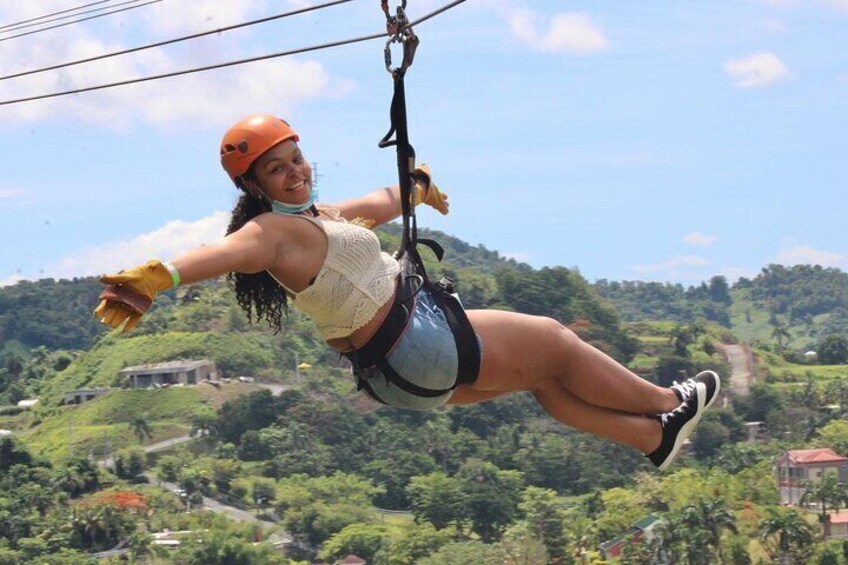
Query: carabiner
[[410, 43]]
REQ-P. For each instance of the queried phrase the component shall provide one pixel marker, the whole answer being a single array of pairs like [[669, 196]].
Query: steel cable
[[229, 63], [16, 27], [48, 28], [13, 24], [176, 40]]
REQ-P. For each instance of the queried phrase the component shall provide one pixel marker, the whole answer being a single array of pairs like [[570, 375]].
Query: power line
[[13, 24], [170, 41], [79, 20], [198, 69], [227, 64], [16, 27]]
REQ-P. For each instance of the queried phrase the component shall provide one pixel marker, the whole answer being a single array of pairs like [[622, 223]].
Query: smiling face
[[284, 174]]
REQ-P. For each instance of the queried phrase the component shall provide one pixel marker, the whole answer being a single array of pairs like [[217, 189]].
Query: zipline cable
[[48, 28], [178, 39], [13, 24], [228, 64], [65, 17]]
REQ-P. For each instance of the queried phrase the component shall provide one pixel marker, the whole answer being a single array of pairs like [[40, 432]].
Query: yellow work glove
[[130, 293], [426, 191]]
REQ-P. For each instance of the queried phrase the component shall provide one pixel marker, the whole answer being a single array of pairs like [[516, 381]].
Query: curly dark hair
[[258, 294]]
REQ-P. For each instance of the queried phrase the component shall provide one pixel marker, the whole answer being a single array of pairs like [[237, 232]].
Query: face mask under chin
[[283, 208]]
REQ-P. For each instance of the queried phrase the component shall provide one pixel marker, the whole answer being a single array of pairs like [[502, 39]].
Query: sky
[[664, 141]]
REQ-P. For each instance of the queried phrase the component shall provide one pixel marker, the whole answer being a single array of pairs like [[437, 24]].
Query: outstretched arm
[[378, 206], [384, 204], [130, 293]]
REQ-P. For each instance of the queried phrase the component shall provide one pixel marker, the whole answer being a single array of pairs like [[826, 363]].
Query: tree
[[709, 437], [672, 368], [414, 544], [130, 463], [545, 522], [833, 350], [780, 333], [224, 548], [719, 291], [786, 535], [681, 338], [829, 493], [362, 540], [438, 499], [493, 496], [709, 517], [141, 428], [264, 492]]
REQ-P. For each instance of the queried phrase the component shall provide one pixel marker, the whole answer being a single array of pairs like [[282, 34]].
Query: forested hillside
[[320, 464]]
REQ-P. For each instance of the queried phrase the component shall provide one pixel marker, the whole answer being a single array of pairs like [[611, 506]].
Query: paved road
[[210, 504], [742, 376], [274, 388], [152, 448]]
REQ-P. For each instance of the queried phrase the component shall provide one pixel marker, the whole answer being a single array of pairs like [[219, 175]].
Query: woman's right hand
[[130, 293]]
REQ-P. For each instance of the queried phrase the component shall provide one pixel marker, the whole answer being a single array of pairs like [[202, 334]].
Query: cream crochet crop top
[[355, 281]]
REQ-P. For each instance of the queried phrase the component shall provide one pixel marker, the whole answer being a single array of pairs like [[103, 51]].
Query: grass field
[[103, 423], [775, 369]]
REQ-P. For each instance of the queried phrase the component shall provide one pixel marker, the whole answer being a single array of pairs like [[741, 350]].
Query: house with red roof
[[839, 525], [795, 467], [351, 560]]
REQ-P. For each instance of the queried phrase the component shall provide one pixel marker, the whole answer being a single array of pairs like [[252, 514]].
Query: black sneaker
[[685, 389], [678, 424]]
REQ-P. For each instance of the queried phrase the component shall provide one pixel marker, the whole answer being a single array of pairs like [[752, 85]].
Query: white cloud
[[166, 242], [757, 70], [10, 280], [699, 239], [520, 256], [206, 98], [806, 255], [10, 193], [838, 5], [674, 267], [733, 274], [573, 32]]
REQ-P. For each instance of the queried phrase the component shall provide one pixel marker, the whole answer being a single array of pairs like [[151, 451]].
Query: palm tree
[[710, 518], [141, 428], [68, 480], [829, 493], [779, 333], [786, 536]]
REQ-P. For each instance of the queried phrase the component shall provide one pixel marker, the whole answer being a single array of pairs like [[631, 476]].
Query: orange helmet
[[250, 138]]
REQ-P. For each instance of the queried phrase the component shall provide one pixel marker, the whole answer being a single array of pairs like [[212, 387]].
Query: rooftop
[[821, 455], [165, 366]]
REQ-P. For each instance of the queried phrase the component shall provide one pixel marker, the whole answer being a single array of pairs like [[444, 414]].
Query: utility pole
[[70, 435], [315, 175]]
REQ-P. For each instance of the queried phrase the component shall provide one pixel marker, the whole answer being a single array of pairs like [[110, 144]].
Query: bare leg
[[522, 352], [645, 434], [630, 429]]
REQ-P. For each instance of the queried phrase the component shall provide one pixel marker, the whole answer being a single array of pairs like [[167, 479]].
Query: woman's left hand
[[426, 190]]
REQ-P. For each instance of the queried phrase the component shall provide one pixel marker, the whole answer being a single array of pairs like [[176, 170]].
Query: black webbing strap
[[467, 346], [405, 161], [413, 275]]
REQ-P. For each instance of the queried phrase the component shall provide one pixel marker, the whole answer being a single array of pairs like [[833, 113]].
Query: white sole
[[687, 428]]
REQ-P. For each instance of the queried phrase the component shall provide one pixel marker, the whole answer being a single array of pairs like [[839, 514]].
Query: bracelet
[[175, 274]]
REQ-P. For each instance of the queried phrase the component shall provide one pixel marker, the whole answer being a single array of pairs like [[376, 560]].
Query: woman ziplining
[[410, 343]]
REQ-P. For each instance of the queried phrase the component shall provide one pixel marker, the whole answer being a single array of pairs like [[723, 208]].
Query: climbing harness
[[413, 277]]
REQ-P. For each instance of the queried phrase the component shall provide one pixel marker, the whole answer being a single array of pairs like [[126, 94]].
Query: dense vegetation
[[498, 482]]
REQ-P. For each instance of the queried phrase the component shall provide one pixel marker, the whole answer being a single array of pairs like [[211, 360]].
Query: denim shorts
[[425, 355]]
